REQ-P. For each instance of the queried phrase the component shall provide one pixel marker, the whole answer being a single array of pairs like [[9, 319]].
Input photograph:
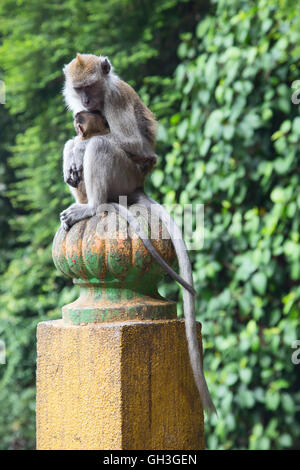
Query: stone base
[[125, 385], [98, 304]]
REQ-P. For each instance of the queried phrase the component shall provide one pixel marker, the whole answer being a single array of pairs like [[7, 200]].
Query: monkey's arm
[[73, 161], [67, 159], [78, 153], [124, 130]]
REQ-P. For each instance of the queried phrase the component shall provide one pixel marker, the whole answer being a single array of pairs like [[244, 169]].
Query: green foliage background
[[219, 77]]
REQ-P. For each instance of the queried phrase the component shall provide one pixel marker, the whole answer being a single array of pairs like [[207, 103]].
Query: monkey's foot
[[75, 213]]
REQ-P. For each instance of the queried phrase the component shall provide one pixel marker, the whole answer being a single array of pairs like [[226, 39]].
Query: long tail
[[188, 299], [124, 212]]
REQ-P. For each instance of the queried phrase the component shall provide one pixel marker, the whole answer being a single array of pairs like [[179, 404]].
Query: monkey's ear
[[81, 131], [105, 66], [79, 59]]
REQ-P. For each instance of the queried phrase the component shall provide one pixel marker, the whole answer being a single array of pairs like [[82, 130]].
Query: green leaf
[[259, 282], [182, 129], [246, 375], [157, 178], [272, 400], [278, 195]]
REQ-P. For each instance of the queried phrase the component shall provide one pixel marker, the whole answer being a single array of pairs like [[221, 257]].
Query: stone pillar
[[114, 373]]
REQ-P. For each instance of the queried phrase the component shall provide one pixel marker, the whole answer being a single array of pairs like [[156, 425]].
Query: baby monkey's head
[[90, 123]]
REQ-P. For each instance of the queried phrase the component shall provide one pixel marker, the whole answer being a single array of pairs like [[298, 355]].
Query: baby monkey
[[87, 124], [90, 123]]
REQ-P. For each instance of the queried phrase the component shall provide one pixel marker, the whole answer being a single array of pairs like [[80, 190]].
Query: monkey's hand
[[73, 162], [70, 177], [76, 164]]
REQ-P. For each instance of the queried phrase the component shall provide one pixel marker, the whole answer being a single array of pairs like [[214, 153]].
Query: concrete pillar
[[125, 385]]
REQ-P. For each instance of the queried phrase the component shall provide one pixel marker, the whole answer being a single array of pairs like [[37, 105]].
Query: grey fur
[[108, 173]]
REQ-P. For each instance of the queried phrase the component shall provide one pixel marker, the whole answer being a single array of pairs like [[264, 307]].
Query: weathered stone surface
[[122, 385]]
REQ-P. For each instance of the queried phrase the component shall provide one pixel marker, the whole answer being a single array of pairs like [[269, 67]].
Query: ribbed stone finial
[[117, 276]]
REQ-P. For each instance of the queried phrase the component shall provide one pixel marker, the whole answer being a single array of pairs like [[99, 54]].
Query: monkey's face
[[91, 95], [88, 124], [88, 75]]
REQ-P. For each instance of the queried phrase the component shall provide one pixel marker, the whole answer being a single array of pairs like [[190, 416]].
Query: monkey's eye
[[77, 89]]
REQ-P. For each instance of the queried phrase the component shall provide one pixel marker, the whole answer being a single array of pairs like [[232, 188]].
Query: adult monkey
[[91, 85], [110, 172]]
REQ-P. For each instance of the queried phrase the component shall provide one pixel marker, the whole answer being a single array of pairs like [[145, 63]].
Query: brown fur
[[88, 125], [82, 67]]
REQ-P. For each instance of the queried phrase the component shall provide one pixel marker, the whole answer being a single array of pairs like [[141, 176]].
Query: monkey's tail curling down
[[124, 212], [188, 298]]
